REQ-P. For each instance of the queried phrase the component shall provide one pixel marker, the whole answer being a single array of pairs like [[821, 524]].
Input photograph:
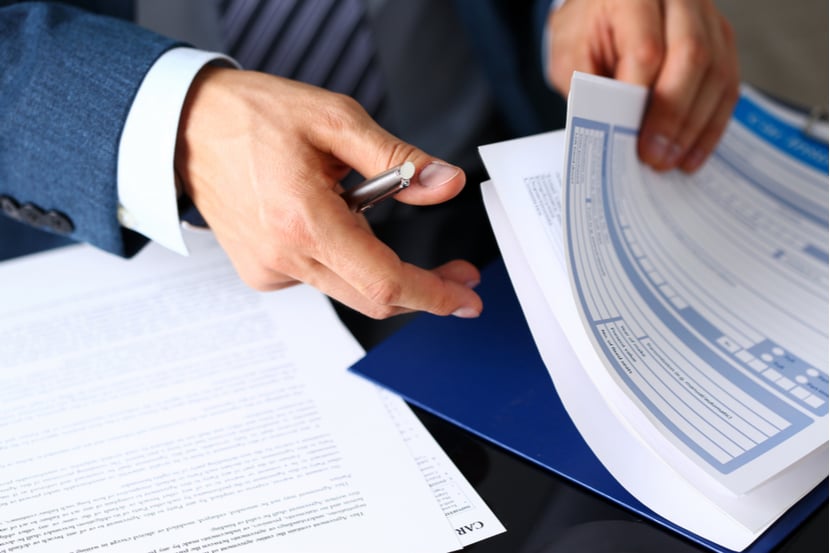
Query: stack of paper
[[683, 319], [157, 404]]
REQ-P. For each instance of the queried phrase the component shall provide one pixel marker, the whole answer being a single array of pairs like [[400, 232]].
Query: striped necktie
[[327, 43]]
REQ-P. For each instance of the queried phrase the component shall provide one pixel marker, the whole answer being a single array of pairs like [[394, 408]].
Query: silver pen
[[376, 189]]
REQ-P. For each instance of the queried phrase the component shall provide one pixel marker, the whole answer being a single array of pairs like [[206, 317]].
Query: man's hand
[[262, 157], [683, 50]]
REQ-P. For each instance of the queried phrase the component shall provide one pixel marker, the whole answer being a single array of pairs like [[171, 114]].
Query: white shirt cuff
[[147, 201]]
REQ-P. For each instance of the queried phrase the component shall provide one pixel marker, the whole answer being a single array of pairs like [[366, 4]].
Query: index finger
[[385, 284], [639, 41], [687, 60]]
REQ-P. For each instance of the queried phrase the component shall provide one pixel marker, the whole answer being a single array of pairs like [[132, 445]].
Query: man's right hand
[[262, 157]]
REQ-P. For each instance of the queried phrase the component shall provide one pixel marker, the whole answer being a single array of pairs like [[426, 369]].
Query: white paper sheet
[[525, 206], [468, 515], [707, 293], [159, 404]]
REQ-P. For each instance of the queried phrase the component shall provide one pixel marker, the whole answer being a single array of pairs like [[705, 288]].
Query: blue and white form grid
[[708, 298]]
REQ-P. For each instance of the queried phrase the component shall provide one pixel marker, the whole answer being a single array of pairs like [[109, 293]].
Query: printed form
[[158, 404], [695, 305], [707, 294]]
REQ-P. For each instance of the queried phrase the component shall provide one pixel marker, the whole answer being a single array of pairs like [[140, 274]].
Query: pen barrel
[[364, 195]]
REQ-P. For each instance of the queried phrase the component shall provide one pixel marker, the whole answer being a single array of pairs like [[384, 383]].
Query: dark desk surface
[[542, 512]]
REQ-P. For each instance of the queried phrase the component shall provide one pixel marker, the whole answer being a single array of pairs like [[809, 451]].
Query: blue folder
[[486, 375]]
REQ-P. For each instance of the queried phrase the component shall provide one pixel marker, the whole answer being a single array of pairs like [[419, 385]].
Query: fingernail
[[673, 157], [437, 174], [472, 283], [657, 146], [466, 313]]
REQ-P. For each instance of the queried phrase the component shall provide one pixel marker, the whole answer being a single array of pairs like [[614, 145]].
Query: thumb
[[435, 181], [370, 150]]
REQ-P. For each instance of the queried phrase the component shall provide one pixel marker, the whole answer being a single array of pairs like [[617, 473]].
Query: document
[[683, 318], [468, 515], [158, 404]]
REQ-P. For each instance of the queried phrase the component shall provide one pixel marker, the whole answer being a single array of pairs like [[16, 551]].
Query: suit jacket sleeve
[[67, 81], [507, 36]]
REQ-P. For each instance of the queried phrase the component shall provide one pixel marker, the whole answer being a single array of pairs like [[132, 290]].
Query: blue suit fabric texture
[[62, 116]]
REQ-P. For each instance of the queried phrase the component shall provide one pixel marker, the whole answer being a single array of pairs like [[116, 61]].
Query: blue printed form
[[707, 295], [696, 305]]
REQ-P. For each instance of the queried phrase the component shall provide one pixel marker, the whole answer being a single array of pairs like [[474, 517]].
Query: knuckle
[[341, 112], [649, 53], [380, 312], [695, 50], [291, 230], [441, 308], [269, 255], [256, 279], [393, 152], [291, 241], [384, 293]]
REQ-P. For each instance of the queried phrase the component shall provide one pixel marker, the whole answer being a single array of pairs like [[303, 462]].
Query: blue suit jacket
[[69, 76]]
